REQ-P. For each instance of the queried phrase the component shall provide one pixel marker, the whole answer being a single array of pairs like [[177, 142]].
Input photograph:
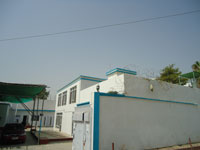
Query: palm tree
[[196, 66], [43, 95]]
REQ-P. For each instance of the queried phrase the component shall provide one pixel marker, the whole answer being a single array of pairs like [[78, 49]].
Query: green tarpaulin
[[16, 93], [191, 75]]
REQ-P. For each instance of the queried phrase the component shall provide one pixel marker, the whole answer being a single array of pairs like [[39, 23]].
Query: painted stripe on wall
[[150, 99], [82, 104], [36, 110]]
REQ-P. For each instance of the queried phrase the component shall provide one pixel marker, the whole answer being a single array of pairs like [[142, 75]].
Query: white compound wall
[[136, 124]]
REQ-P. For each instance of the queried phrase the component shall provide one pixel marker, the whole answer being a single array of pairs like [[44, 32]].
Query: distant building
[[6, 113], [48, 112], [16, 113]]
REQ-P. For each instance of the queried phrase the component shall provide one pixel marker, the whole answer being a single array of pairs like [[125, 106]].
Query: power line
[[98, 27]]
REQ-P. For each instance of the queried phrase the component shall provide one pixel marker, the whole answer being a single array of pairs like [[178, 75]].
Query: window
[[73, 95], [44, 123], [59, 99], [64, 99], [58, 120], [50, 122]]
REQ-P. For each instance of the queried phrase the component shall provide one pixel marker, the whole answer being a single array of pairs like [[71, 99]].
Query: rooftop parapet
[[120, 71]]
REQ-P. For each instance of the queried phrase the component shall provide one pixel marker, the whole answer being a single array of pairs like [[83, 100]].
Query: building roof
[[121, 71], [82, 77]]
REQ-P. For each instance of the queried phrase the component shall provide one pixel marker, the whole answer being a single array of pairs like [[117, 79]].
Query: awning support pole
[[41, 121], [37, 112], [32, 118]]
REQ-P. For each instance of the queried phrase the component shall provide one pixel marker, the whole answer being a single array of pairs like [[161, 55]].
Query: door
[[24, 121], [59, 120], [81, 131]]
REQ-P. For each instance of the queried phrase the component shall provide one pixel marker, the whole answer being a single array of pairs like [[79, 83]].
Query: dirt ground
[[195, 146]]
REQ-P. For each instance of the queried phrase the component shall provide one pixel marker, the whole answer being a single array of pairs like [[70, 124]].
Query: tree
[[43, 95], [171, 75], [196, 66]]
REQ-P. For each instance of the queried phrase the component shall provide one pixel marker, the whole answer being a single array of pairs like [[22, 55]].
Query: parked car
[[13, 132]]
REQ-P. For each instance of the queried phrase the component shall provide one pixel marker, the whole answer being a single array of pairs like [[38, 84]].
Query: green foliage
[[171, 75], [196, 66], [43, 95], [113, 92]]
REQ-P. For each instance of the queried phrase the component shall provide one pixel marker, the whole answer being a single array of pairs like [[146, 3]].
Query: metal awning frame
[[192, 80], [21, 91]]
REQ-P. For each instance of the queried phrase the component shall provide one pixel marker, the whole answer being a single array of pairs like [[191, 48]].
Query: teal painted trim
[[121, 70], [74, 81], [82, 104], [97, 108], [91, 80], [150, 99], [94, 78], [96, 122], [114, 95], [159, 100], [36, 110], [81, 77]]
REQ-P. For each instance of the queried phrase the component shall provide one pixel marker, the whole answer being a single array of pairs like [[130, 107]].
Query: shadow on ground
[[30, 140], [32, 144]]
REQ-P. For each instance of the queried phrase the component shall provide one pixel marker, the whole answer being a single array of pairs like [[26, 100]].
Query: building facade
[[136, 113], [120, 81], [16, 113], [48, 113], [66, 100]]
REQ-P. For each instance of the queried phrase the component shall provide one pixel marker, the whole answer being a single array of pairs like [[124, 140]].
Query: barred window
[[73, 95], [58, 120], [64, 99], [59, 99]]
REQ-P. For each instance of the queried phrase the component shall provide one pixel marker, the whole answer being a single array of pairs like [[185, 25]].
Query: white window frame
[[73, 92], [59, 99], [64, 98]]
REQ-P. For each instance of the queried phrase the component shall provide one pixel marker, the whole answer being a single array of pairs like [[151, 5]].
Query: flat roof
[[121, 70], [82, 77]]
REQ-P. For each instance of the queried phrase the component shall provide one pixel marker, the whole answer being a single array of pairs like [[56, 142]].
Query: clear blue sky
[[56, 60]]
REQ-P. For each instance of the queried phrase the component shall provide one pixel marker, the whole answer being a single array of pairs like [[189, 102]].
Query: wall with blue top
[[142, 123]]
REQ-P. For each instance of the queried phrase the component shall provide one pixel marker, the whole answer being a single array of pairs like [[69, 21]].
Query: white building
[[67, 98], [12, 113], [48, 112], [144, 114], [6, 113]]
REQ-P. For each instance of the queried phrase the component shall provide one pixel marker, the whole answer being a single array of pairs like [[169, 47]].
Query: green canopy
[[191, 75], [16, 93]]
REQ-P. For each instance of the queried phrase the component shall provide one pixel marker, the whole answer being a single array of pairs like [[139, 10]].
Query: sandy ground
[[52, 146], [32, 144]]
